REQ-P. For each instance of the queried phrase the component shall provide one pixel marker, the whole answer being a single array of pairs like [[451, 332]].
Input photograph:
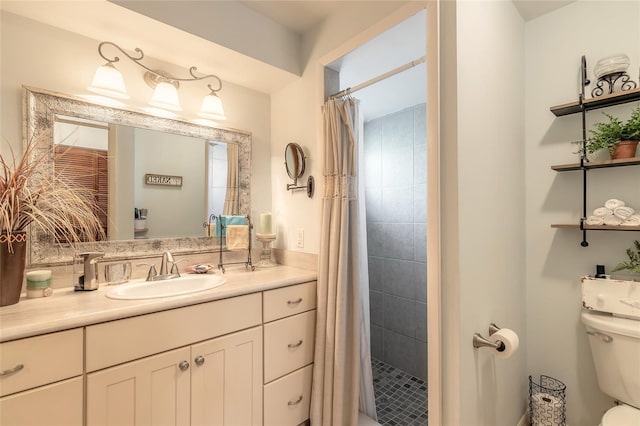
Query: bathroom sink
[[167, 288]]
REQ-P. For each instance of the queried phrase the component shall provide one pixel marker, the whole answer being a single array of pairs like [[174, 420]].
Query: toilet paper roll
[[510, 340], [547, 409]]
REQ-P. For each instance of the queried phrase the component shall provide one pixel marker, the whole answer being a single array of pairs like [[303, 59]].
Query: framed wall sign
[[163, 180]]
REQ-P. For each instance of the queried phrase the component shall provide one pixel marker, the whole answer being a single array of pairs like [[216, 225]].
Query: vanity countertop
[[67, 309]]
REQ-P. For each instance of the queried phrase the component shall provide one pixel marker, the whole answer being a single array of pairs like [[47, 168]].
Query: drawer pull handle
[[184, 365], [294, 302], [199, 360], [292, 403], [12, 370], [295, 345]]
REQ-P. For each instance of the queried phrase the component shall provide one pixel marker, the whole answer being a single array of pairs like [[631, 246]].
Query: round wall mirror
[[294, 160]]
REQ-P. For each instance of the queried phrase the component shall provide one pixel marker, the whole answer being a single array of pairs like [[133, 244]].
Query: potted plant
[[31, 196], [620, 139], [633, 264]]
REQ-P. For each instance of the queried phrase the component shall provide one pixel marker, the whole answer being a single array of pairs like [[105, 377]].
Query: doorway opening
[[395, 181]]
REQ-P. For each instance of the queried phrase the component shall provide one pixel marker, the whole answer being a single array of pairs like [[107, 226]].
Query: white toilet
[[615, 346]]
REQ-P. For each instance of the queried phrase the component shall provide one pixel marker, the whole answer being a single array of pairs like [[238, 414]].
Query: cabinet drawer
[[287, 301], [59, 404], [45, 359], [287, 400], [288, 344], [132, 338]]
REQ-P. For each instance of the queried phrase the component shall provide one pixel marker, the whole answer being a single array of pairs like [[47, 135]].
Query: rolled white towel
[[602, 212], [633, 220], [613, 204], [594, 220], [612, 220], [624, 212]]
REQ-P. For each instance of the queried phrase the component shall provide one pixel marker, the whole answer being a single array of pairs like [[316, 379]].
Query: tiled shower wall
[[396, 203]]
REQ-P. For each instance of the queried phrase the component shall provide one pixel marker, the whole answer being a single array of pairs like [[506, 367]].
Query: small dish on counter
[[200, 269]]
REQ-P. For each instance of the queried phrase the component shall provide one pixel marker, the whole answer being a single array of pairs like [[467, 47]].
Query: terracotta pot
[[625, 149], [12, 263]]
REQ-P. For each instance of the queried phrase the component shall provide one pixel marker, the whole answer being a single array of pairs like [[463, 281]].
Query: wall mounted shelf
[[596, 228], [596, 103], [597, 164], [582, 105]]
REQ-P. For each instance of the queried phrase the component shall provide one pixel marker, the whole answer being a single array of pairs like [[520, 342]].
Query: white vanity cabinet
[[41, 380], [242, 360], [217, 381], [289, 333]]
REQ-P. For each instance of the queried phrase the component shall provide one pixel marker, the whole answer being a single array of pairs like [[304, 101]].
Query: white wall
[[172, 211], [557, 345], [42, 56], [487, 240]]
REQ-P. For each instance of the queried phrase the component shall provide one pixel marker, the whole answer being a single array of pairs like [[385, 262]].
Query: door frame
[[434, 339]]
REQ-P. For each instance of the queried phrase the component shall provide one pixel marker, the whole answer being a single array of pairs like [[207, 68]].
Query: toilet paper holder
[[479, 341]]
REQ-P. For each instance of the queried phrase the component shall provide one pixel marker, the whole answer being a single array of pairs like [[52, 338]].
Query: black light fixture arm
[[162, 75]]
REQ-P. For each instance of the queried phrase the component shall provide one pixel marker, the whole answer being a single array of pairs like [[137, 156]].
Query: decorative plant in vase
[[620, 139], [32, 196], [633, 264]]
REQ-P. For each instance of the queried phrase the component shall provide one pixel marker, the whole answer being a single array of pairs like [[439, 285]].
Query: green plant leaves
[[633, 264]]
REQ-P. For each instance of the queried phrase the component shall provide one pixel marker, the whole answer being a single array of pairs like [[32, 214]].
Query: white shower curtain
[[342, 378], [231, 198]]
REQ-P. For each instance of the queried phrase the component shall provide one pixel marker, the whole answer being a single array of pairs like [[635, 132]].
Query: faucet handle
[[152, 270], [174, 266]]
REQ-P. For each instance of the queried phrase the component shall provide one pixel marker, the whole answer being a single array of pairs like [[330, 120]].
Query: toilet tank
[[615, 346]]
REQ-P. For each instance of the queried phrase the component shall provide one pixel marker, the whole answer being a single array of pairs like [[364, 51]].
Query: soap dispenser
[[88, 277]]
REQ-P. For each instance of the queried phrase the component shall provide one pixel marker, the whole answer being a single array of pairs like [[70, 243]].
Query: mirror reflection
[[192, 171], [294, 160], [112, 161]]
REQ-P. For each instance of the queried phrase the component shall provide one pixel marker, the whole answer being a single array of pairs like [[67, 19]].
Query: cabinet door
[[59, 404], [151, 391], [226, 380]]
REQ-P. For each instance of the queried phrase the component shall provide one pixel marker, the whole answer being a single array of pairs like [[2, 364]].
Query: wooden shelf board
[[598, 164], [597, 102], [596, 228]]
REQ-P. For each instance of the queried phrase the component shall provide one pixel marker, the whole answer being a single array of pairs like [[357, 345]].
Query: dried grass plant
[[32, 195]]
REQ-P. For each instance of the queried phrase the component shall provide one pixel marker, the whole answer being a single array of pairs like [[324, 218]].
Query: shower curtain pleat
[[231, 198], [342, 379]]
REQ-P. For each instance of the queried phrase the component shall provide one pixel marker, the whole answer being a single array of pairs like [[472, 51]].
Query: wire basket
[[547, 404]]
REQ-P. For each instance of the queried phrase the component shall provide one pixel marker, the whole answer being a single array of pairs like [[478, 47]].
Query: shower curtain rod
[[374, 80]]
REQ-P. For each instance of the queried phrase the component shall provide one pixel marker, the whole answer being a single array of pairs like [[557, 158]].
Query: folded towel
[[227, 220], [612, 220], [613, 204], [633, 220], [602, 212], [237, 237], [594, 220], [624, 212]]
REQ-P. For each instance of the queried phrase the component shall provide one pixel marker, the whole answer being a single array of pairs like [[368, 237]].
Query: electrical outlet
[[300, 238]]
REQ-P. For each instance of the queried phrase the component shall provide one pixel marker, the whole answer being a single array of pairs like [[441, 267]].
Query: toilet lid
[[622, 415]]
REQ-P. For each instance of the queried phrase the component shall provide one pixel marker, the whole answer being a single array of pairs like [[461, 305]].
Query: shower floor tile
[[401, 399]]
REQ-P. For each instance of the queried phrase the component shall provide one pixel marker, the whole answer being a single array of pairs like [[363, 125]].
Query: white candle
[[265, 223]]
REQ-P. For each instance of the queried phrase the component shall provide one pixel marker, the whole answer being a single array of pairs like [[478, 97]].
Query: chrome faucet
[[167, 258], [165, 272]]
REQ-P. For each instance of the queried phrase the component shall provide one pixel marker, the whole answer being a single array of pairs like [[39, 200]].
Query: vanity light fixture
[[108, 81]]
